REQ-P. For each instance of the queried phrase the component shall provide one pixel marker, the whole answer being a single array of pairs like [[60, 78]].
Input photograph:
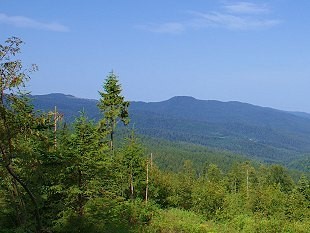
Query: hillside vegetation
[[266, 134]]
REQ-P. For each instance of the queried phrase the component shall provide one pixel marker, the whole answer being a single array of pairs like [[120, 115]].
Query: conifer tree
[[133, 165], [113, 107], [83, 164]]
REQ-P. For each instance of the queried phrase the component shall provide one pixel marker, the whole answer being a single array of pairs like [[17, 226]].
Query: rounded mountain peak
[[182, 99]]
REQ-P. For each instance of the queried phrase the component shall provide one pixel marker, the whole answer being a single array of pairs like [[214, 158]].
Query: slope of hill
[[301, 114], [69, 105], [243, 128], [265, 133]]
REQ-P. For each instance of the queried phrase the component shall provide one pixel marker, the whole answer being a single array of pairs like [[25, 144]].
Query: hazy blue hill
[[190, 108], [269, 134], [302, 114], [239, 127], [69, 105]]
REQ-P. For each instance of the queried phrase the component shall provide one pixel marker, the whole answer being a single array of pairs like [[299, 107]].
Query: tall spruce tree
[[113, 107]]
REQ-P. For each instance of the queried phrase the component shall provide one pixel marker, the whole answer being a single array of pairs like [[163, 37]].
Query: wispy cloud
[[172, 27], [237, 16], [246, 8], [232, 22], [25, 22]]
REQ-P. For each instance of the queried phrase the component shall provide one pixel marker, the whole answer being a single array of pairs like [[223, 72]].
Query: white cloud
[[246, 8], [25, 22], [232, 22], [237, 16]]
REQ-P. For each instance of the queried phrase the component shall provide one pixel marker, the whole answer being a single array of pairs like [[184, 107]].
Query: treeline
[[76, 178]]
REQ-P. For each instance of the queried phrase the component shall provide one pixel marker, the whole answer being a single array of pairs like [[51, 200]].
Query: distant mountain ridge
[[269, 134], [69, 105], [301, 114]]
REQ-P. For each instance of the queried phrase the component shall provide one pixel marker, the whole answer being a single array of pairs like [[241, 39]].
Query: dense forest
[[81, 177], [260, 133]]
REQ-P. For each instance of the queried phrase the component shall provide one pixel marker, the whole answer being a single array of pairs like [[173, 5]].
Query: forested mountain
[[69, 105], [94, 176], [259, 132]]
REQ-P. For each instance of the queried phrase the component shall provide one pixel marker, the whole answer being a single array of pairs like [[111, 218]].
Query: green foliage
[[162, 186], [208, 198], [83, 165], [234, 204], [259, 133], [214, 174], [175, 221], [170, 156], [279, 176], [132, 167], [113, 106], [248, 224], [108, 214], [20, 137], [297, 207], [303, 187]]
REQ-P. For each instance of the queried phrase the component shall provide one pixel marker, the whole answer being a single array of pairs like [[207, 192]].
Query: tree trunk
[[18, 204], [147, 181], [32, 197]]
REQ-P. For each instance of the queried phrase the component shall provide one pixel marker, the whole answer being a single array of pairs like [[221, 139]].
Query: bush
[[176, 220]]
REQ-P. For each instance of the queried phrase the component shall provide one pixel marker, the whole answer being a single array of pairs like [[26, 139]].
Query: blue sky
[[250, 51]]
